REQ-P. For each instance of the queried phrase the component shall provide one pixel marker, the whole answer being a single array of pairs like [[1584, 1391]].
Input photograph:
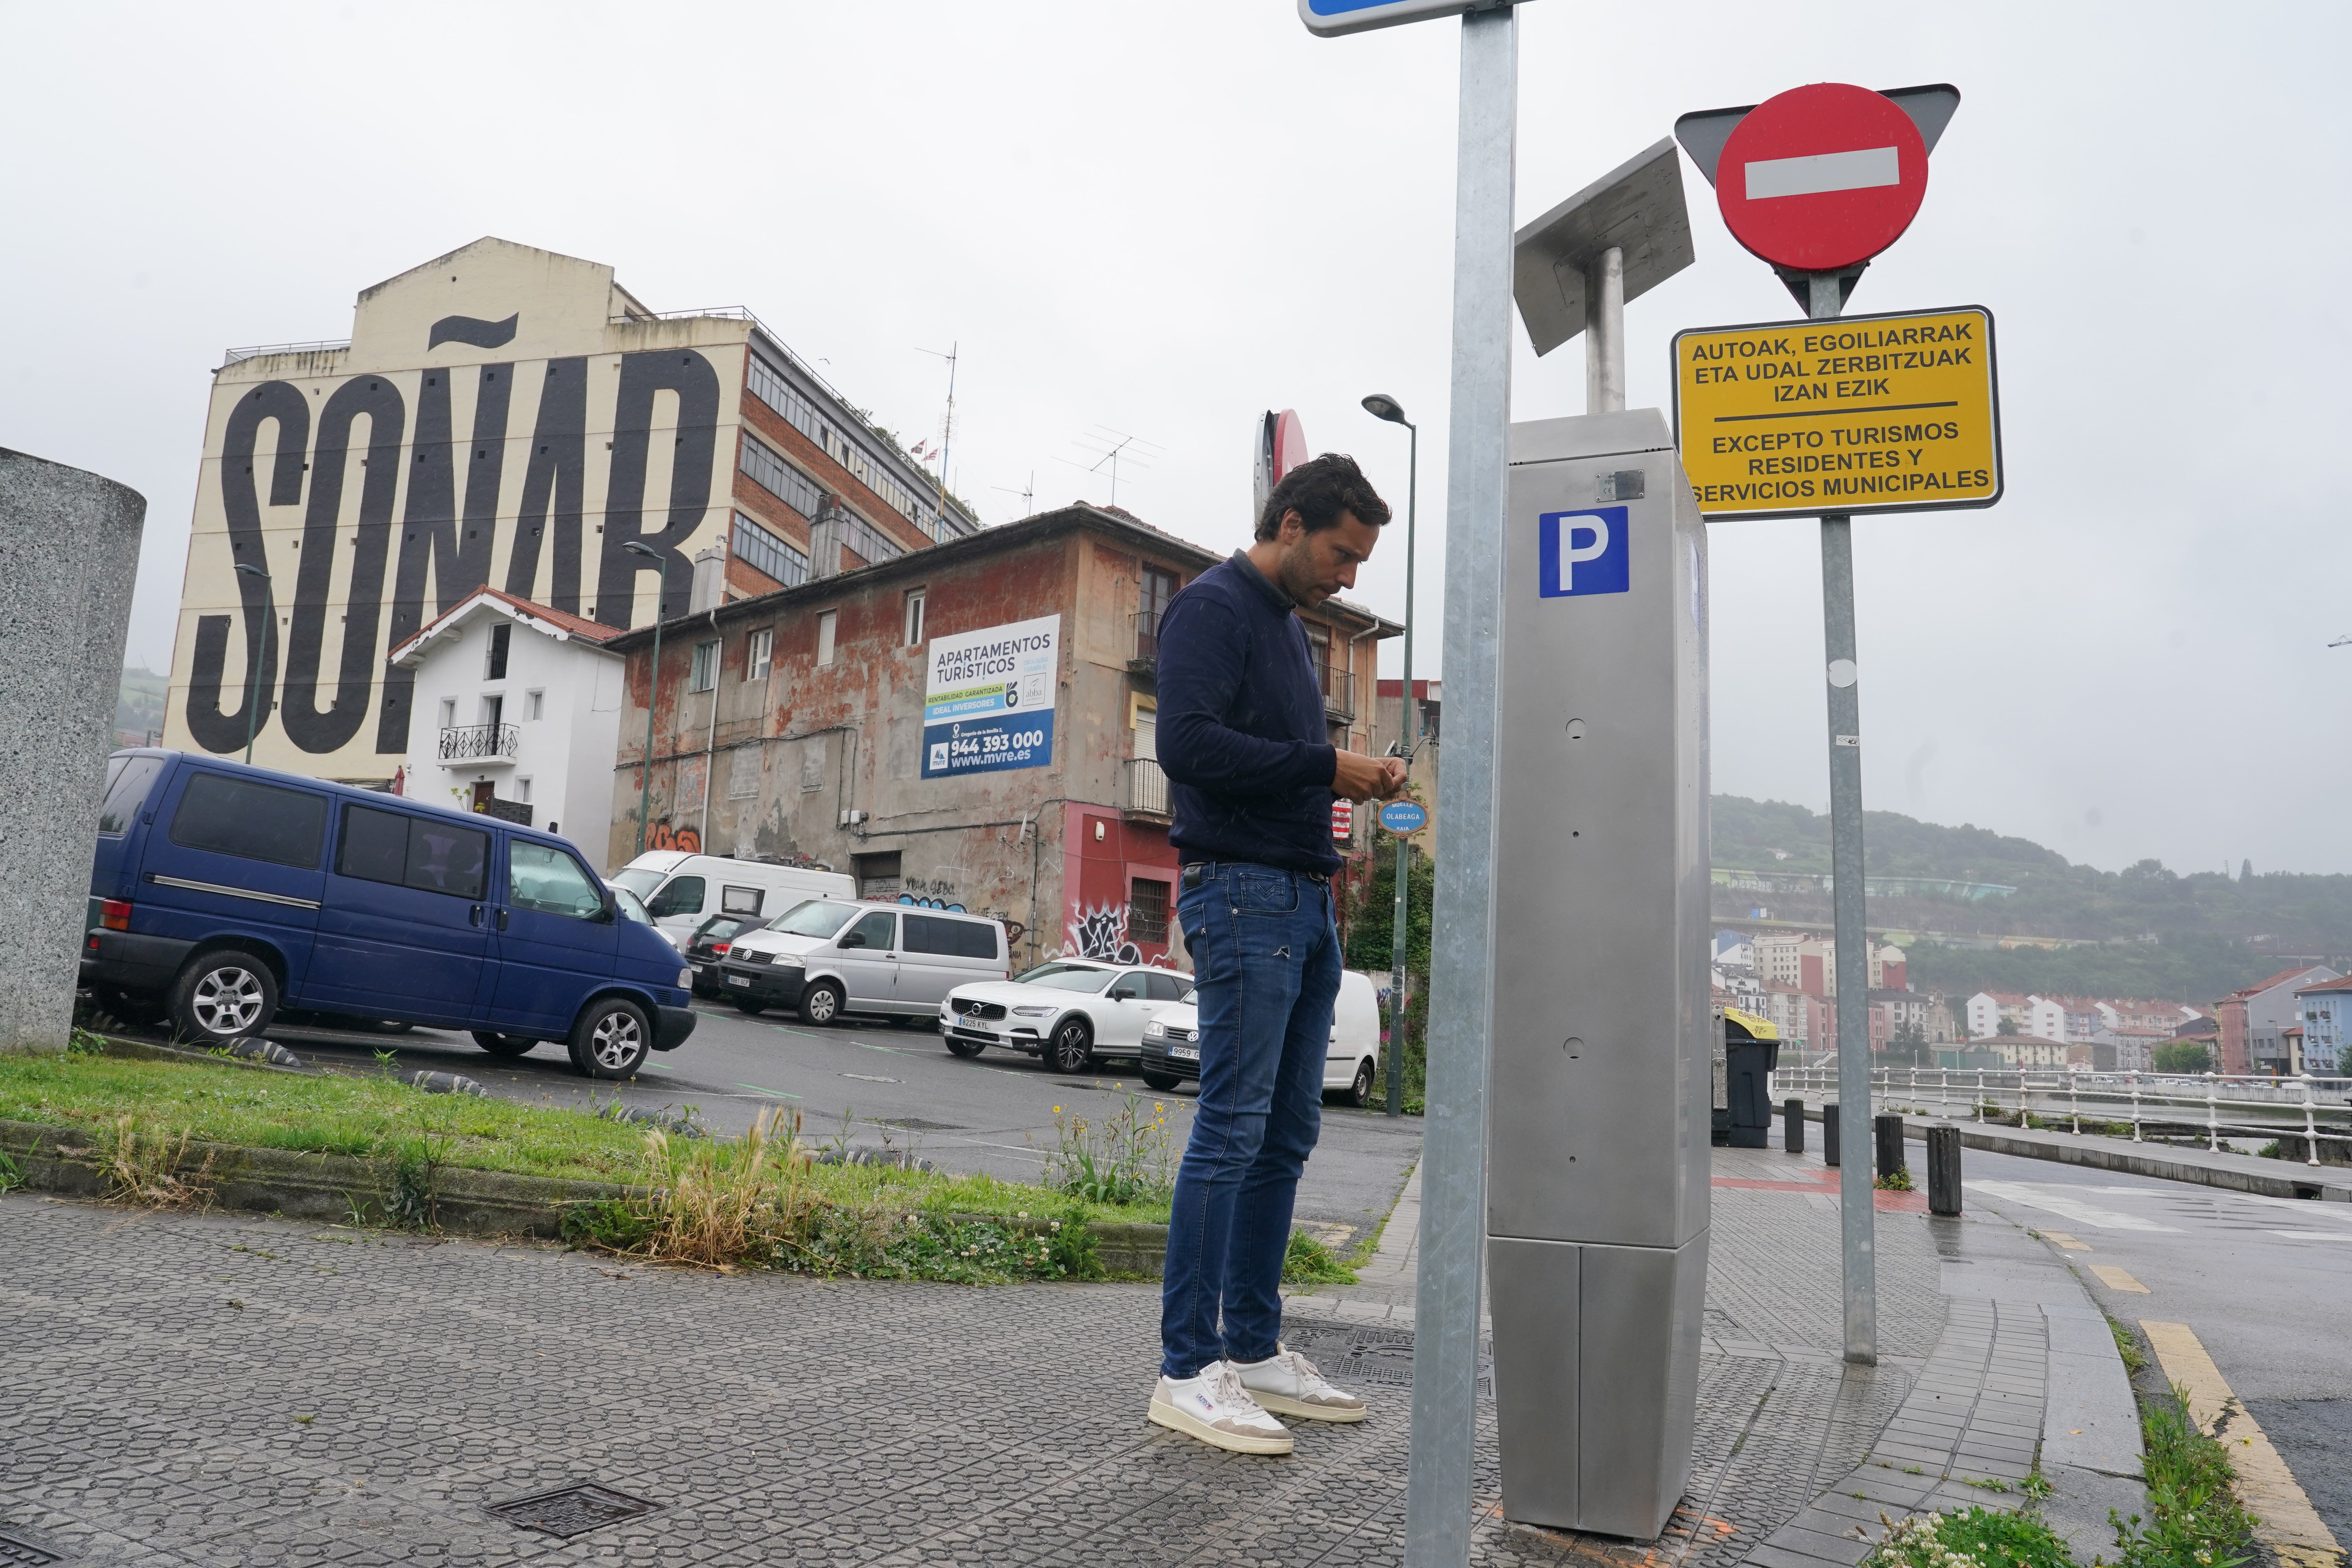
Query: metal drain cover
[[572, 1511], [13, 1552], [1356, 1352], [917, 1124]]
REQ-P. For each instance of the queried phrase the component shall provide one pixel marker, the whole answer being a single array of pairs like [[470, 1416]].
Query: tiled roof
[[561, 620]]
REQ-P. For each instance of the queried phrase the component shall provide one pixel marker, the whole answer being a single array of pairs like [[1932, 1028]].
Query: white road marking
[[2314, 1235], [869, 1077], [2054, 1200], [1859, 170]]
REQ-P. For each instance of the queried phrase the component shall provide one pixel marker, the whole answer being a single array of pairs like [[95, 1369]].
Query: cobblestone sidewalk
[[194, 1389]]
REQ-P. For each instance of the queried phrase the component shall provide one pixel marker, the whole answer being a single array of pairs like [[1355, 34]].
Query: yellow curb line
[[2287, 1523], [2115, 1279], [2061, 1238]]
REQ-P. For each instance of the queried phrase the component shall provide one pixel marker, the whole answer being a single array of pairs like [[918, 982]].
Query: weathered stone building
[[972, 723]]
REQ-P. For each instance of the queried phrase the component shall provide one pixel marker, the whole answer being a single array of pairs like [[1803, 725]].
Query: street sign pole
[[1856, 1226], [1461, 1012]]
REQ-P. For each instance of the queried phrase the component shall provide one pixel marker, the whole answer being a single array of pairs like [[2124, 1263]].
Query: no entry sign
[[1822, 177]]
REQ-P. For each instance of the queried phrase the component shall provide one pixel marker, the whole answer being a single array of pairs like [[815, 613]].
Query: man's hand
[[1359, 777]]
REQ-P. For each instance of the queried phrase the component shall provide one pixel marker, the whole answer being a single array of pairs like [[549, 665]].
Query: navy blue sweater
[[1242, 732]]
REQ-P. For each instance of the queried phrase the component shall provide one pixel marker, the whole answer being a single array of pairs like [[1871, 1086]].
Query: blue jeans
[[1265, 960]]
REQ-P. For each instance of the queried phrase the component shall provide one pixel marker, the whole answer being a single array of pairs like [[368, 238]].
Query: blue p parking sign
[[1583, 552], [1330, 17]]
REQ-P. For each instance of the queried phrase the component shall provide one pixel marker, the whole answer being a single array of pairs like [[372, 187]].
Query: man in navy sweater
[[1245, 744]]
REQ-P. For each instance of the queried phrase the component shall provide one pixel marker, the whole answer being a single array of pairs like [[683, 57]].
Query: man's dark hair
[[1320, 490]]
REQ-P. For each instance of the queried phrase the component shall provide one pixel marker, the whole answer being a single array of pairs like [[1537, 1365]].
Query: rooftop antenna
[[947, 426], [2344, 641], [1028, 494], [1110, 449]]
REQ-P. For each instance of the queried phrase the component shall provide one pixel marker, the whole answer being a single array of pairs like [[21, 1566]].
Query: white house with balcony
[[518, 715]]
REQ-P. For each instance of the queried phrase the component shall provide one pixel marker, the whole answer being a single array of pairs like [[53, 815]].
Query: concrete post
[[69, 557]]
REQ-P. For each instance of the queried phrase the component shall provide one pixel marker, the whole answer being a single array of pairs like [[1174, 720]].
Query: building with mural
[[506, 416], [972, 724]]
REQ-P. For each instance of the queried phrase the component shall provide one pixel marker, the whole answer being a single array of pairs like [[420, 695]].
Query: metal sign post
[[1462, 966], [1461, 978], [1817, 181]]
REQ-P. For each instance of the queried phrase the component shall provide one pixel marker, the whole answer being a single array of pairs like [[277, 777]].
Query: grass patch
[[1309, 1262], [2196, 1520], [368, 1118], [1971, 1538], [139, 1117], [1900, 1182]]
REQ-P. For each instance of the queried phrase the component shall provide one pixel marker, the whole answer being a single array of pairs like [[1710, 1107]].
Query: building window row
[[779, 478], [768, 553], [770, 387]]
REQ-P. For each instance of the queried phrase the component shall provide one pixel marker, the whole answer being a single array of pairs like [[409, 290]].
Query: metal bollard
[[1944, 1170], [1887, 1134], [1792, 1126], [1829, 1133]]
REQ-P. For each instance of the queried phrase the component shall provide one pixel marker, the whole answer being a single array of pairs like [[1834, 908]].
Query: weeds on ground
[[415, 1193], [2270, 1151], [141, 1162], [1900, 1182], [2197, 1521], [81, 1042], [1970, 1538], [1309, 1262], [2128, 1347], [11, 1175], [757, 1201], [1128, 1157]]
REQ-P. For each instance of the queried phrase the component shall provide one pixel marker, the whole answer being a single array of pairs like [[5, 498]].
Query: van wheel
[[821, 1002], [1163, 1081], [611, 1039], [749, 1007], [1072, 1049], [1358, 1092], [507, 1046], [224, 995]]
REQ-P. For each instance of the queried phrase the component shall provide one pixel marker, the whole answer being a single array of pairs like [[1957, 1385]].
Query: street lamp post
[[1380, 406], [653, 686], [268, 621]]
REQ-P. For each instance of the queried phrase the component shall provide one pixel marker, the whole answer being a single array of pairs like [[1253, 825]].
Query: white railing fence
[[2211, 1106]]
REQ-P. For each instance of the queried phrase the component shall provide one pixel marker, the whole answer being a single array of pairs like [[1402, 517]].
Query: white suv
[[1066, 1012]]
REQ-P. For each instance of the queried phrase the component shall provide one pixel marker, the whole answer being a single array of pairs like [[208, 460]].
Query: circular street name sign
[[1822, 177], [1404, 817]]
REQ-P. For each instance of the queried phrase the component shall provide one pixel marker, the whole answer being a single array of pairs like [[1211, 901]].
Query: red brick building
[[809, 721]]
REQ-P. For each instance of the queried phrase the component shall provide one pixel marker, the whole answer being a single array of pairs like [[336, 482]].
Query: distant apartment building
[[2031, 1053], [1986, 1009], [2326, 1027], [501, 417], [2251, 1020], [2144, 1015], [1816, 966]]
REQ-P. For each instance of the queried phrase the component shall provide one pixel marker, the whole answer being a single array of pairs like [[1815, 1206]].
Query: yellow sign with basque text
[[1862, 413]]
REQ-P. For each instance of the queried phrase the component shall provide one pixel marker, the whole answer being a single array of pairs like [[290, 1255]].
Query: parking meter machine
[[1598, 1162]]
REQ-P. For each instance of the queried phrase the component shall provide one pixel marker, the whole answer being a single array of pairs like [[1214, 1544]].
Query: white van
[[681, 889], [1172, 1043], [831, 956]]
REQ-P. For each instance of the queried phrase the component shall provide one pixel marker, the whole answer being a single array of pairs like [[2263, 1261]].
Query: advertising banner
[[988, 701]]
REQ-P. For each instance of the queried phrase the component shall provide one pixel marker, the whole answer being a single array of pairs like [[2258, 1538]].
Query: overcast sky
[[1162, 219]]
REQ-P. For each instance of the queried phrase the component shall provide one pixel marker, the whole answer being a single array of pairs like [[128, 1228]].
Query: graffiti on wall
[[1100, 932], [665, 836]]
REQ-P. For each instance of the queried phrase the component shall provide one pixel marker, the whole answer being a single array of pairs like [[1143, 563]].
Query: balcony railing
[[1143, 650], [1146, 787], [480, 743], [1339, 691]]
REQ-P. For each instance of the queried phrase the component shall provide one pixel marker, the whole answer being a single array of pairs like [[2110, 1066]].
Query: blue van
[[223, 892]]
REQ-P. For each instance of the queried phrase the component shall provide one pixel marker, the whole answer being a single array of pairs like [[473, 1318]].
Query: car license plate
[[743, 980], [1185, 1053]]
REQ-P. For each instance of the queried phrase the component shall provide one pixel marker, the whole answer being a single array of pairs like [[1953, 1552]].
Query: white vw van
[[681, 889], [831, 956]]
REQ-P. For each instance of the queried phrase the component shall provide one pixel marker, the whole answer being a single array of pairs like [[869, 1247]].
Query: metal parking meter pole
[[1408, 711], [1462, 976], [1855, 1227]]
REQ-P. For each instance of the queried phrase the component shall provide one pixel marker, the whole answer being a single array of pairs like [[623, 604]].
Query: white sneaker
[[1215, 1408], [1287, 1381]]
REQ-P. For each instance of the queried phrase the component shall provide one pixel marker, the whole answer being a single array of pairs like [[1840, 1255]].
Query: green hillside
[[2159, 933]]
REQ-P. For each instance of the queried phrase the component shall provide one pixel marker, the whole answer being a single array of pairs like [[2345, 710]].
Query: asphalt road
[[2265, 1283], [882, 1084]]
